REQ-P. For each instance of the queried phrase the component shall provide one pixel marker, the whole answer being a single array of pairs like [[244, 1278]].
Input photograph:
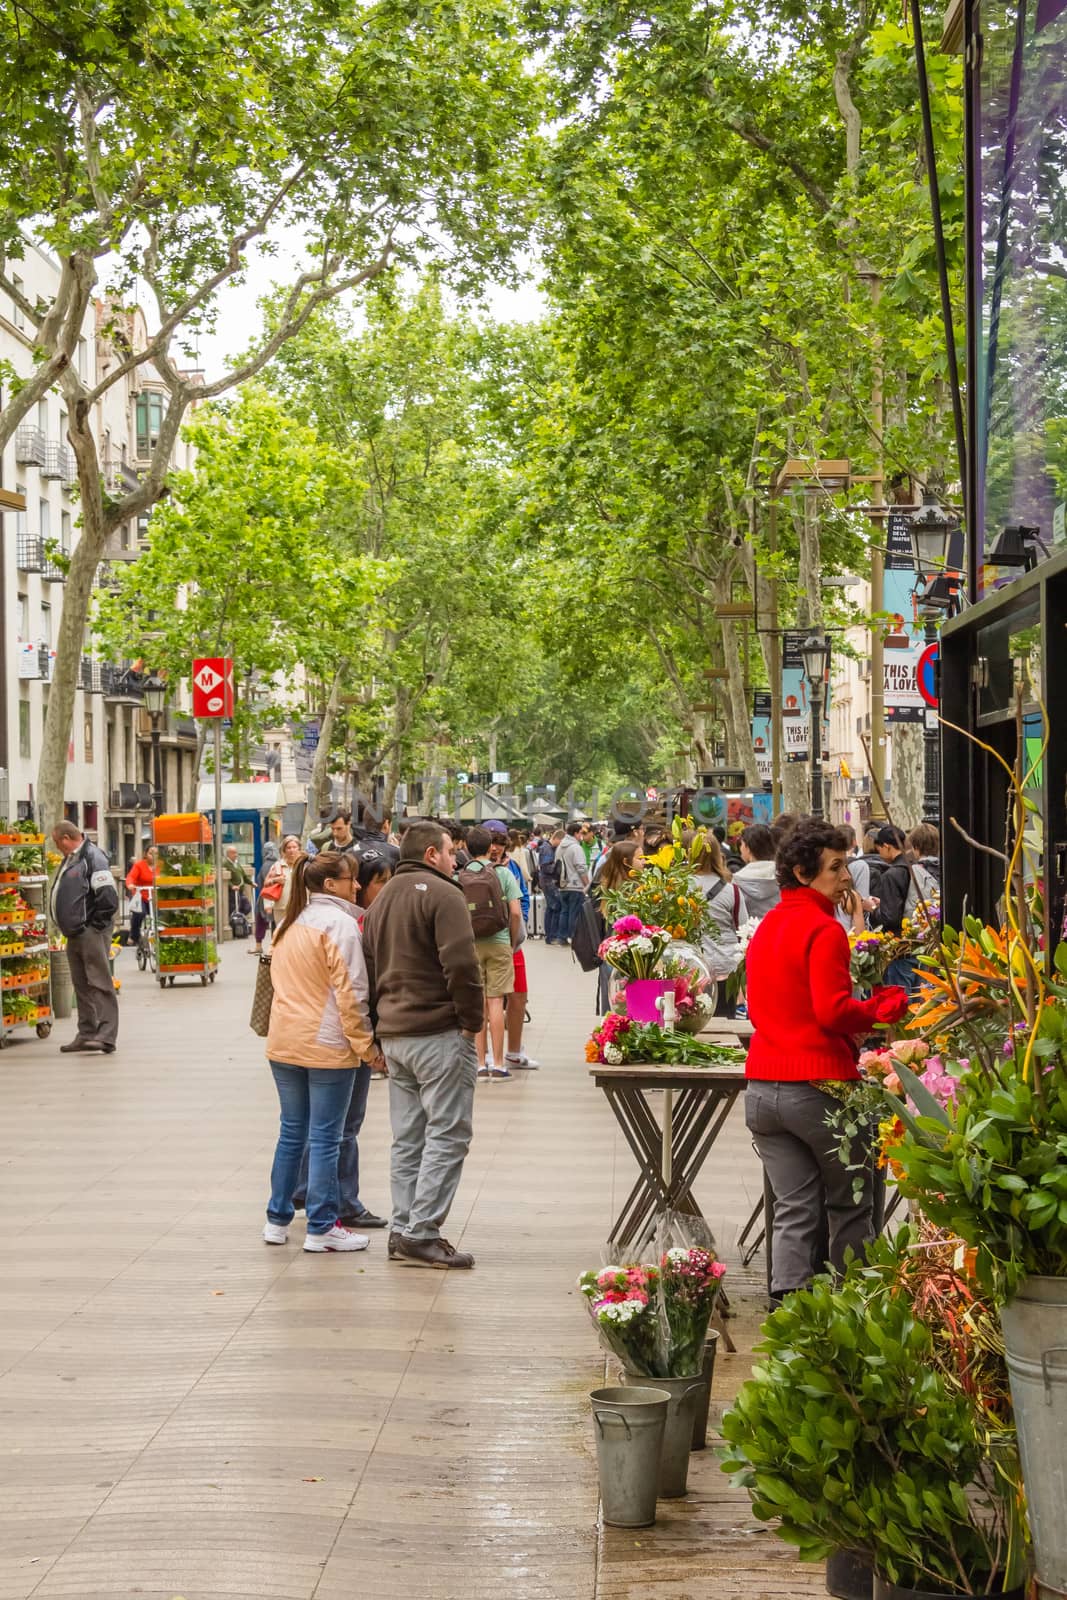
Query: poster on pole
[[903, 644], [213, 686], [796, 702], [761, 733]]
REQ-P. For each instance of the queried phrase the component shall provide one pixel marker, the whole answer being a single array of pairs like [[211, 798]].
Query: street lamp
[[931, 529], [815, 654], [155, 700]]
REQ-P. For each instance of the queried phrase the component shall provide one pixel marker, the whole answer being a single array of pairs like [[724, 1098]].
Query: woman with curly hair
[[805, 1046]]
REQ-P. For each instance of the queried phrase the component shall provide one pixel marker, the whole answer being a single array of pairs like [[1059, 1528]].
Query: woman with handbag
[[319, 1036]]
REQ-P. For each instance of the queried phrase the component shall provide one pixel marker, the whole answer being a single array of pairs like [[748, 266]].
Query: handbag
[[271, 891], [259, 1021]]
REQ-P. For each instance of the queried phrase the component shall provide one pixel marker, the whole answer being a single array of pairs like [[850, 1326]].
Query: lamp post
[[815, 653], [155, 700], [931, 531]]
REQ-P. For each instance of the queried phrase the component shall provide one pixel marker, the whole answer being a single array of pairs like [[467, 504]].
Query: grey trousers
[[812, 1187], [98, 1004], [432, 1078]]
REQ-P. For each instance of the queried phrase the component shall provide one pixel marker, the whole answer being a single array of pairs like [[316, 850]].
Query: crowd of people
[[399, 954]]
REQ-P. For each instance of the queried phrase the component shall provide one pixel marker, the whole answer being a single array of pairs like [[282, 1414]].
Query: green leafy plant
[[853, 1436], [186, 952]]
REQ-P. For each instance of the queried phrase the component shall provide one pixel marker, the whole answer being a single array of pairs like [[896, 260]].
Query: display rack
[[183, 899], [25, 981]]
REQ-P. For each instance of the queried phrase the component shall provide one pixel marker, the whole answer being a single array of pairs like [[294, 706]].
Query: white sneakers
[[336, 1238], [521, 1060]]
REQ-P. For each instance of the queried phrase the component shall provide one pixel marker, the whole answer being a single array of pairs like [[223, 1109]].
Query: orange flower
[[592, 1050]]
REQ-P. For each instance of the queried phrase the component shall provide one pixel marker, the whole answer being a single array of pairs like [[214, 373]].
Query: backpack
[[585, 940], [922, 882], [485, 901]]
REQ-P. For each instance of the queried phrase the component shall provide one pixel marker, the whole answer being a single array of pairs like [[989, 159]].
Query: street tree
[[162, 145]]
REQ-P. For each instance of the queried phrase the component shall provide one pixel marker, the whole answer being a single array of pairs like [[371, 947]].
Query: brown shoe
[[394, 1241], [430, 1253]]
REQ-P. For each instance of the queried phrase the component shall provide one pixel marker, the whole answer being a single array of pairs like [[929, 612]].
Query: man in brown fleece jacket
[[427, 1004]]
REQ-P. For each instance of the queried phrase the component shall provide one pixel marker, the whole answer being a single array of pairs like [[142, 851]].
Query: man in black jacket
[[84, 903], [893, 892]]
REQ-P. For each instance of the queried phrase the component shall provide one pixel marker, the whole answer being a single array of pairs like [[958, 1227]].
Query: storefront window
[[1022, 192]]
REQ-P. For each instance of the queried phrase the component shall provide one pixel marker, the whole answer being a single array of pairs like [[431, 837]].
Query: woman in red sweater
[[807, 1026]]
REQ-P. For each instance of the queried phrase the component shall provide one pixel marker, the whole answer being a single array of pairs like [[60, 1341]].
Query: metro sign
[[213, 687]]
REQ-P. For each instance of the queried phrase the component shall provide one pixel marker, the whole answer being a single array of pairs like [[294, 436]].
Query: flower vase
[[641, 997]]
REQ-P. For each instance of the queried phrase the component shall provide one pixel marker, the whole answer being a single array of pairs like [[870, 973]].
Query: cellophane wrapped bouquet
[[653, 1314]]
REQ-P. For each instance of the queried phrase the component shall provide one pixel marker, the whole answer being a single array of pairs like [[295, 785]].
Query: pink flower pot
[[641, 997]]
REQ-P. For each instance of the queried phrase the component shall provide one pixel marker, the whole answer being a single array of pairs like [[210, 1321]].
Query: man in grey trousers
[[427, 1004], [84, 903]]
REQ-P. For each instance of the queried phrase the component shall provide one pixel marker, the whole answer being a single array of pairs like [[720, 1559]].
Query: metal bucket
[[629, 1426], [1035, 1337], [700, 1419], [678, 1434], [849, 1576], [62, 986], [884, 1590]]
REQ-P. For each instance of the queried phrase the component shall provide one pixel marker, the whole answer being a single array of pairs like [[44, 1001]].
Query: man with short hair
[[342, 838], [574, 879], [495, 952], [426, 1006], [896, 897], [83, 906]]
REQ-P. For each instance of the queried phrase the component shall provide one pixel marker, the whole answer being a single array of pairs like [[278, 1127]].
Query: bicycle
[[146, 944]]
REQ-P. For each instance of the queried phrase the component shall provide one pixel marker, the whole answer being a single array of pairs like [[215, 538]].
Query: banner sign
[[903, 644], [761, 732], [213, 687]]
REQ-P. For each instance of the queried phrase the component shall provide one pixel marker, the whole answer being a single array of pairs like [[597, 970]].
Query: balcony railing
[[51, 570], [90, 676], [31, 447], [58, 462], [29, 552], [121, 682]]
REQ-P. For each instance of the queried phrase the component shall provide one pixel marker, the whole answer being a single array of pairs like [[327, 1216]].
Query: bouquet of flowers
[[655, 1317], [693, 1002], [871, 953], [634, 948], [620, 1303], [666, 891]]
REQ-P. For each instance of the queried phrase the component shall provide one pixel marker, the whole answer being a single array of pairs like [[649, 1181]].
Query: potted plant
[[853, 1434]]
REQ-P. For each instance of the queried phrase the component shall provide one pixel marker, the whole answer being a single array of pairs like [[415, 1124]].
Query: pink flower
[[909, 1051], [892, 1084], [717, 1268], [628, 925]]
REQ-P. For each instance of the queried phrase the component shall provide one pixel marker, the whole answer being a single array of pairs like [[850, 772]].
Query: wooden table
[[671, 1151]]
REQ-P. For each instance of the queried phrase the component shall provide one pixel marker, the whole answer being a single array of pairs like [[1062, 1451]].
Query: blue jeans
[[314, 1102], [904, 972], [553, 911], [572, 900], [348, 1160]]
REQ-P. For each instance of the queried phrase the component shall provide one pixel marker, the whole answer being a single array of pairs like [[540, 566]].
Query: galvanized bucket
[[685, 1396], [700, 1418], [629, 1426], [1035, 1336], [849, 1576]]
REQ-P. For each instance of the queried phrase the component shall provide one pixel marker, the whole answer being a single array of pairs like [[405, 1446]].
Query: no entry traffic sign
[[926, 674], [213, 687]]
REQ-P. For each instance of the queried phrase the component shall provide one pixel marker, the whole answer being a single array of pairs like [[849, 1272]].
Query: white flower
[[677, 1254], [613, 1055], [621, 1311], [642, 944]]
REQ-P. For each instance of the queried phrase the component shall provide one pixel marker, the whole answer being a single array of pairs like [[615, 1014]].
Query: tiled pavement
[[186, 1412]]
